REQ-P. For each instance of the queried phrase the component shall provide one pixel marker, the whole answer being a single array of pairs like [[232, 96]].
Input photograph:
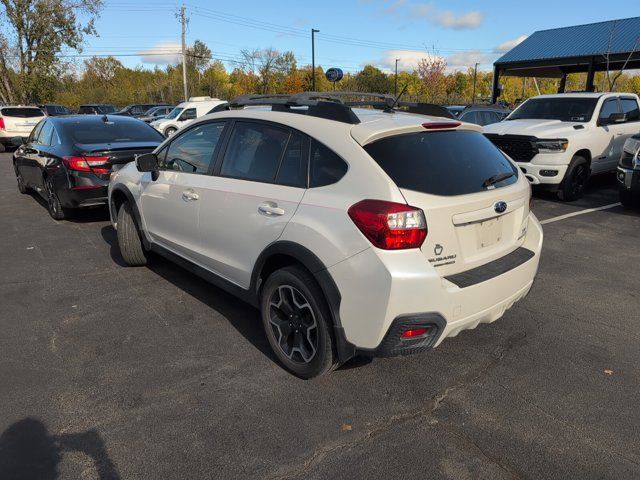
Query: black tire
[[129, 241], [170, 131], [627, 199], [55, 208], [22, 187], [572, 186], [2, 148], [306, 347]]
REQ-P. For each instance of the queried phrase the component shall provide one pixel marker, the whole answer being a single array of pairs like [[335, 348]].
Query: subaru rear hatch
[[473, 198]]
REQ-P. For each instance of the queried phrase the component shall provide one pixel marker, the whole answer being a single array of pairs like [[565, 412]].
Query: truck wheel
[[297, 322], [129, 240], [572, 186]]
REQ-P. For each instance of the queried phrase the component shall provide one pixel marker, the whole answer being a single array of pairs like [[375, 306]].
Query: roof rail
[[333, 105]]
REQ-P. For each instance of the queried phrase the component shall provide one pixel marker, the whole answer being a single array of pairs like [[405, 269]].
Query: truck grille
[[520, 148]]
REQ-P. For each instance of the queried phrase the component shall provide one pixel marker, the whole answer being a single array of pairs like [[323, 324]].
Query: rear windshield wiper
[[497, 178]]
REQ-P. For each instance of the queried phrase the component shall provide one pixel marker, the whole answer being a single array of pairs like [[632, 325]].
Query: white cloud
[[447, 18], [164, 53], [394, 7], [407, 60], [464, 60], [509, 44]]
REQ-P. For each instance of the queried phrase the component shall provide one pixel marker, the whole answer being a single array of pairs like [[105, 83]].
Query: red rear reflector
[[416, 332], [2, 123], [390, 225], [87, 164], [439, 125]]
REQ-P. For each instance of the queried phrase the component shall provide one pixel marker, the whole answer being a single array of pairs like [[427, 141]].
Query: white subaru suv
[[354, 231], [559, 141]]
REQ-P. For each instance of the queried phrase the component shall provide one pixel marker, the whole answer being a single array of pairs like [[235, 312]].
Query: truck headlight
[[552, 146]]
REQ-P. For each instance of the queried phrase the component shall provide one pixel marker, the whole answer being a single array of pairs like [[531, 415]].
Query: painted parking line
[[581, 212]]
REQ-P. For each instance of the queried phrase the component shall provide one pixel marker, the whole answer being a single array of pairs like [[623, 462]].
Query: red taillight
[[413, 333], [2, 127], [439, 125], [87, 164], [389, 225]]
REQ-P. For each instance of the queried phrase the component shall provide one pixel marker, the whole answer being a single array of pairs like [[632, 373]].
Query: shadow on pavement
[[243, 317], [29, 452], [600, 190]]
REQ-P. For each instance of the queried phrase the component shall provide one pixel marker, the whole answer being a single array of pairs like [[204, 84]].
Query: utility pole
[[183, 20], [475, 76], [313, 58], [395, 87]]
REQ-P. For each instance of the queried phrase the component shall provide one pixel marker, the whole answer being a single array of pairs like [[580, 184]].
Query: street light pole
[[475, 75], [183, 21], [395, 87], [313, 58]]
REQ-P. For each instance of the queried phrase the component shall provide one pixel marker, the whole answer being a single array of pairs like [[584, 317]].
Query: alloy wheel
[[293, 324], [52, 200], [579, 180]]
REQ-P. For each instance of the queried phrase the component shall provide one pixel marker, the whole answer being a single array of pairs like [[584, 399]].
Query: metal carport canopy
[[582, 48]]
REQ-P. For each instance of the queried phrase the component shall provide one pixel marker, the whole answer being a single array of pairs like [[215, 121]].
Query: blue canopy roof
[[613, 36]]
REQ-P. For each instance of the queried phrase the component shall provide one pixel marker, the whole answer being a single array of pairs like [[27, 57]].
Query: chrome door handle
[[270, 209], [190, 196]]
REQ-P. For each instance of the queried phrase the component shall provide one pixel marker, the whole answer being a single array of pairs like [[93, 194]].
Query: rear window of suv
[[22, 112], [442, 163]]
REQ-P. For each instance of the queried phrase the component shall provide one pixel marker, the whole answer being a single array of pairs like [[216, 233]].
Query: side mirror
[[17, 141], [614, 118], [147, 162]]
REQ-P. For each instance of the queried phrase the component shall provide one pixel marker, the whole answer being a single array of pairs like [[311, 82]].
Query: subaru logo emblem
[[500, 207]]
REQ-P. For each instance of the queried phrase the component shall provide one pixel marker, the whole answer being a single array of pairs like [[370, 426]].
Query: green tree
[[372, 79], [36, 32]]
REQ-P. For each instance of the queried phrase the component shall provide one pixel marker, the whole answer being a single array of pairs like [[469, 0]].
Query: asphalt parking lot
[[108, 372]]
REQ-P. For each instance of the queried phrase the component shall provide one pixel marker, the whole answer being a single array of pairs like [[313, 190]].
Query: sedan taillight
[[87, 164], [390, 225]]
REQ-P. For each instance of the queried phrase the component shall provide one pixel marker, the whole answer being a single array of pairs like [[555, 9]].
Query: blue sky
[[352, 32]]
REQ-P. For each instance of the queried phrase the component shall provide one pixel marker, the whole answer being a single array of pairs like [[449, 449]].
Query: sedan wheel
[[22, 188], [53, 202]]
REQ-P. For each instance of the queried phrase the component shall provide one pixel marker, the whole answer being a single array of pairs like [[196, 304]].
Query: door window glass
[[188, 114], [630, 107], [254, 151], [293, 168], [193, 151], [609, 107]]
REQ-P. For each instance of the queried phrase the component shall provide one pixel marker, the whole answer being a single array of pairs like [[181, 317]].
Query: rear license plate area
[[489, 232]]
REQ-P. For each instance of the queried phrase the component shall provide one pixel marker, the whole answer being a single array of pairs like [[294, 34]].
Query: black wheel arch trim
[[134, 208], [316, 267]]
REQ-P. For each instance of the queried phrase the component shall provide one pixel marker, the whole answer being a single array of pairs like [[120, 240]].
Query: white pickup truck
[[559, 141]]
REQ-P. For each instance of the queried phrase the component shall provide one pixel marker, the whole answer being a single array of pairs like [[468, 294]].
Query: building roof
[[594, 39]]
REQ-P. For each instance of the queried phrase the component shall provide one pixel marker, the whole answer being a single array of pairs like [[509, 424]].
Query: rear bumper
[[380, 287], [80, 189]]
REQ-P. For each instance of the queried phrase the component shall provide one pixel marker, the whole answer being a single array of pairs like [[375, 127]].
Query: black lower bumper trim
[[393, 344], [492, 269]]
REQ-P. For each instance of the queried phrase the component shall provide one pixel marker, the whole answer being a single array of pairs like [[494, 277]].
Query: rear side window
[[254, 152], [441, 163], [630, 107], [113, 131], [22, 112], [326, 166], [44, 136]]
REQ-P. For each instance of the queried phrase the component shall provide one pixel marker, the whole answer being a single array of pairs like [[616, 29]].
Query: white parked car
[[17, 121], [560, 140], [355, 231], [185, 113]]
